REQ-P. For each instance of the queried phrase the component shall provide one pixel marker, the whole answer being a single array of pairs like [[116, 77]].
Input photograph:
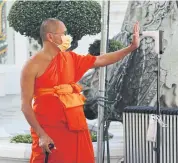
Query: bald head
[[50, 25]]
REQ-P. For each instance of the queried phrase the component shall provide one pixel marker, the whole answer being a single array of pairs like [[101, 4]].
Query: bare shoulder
[[31, 66], [27, 80]]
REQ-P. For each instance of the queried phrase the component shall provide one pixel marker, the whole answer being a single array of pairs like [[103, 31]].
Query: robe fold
[[58, 107]]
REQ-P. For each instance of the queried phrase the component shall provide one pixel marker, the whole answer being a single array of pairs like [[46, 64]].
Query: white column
[[21, 49], [10, 37]]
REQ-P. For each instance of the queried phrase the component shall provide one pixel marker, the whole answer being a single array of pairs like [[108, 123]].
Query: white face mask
[[66, 43]]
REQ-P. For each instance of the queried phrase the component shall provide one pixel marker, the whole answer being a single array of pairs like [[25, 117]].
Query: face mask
[[66, 43]]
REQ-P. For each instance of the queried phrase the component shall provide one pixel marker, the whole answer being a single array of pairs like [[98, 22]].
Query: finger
[[43, 148], [136, 27], [47, 149], [52, 142], [135, 35]]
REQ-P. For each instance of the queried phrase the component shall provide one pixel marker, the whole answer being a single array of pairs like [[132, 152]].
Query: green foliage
[[94, 137], [80, 17], [22, 139], [27, 138], [114, 45]]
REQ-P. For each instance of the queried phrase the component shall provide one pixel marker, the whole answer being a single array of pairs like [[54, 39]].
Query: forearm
[[31, 119], [113, 57]]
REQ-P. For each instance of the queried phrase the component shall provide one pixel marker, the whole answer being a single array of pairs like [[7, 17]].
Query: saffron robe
[[64, 123]]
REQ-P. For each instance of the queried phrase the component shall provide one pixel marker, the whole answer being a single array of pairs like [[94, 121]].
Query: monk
[[51, 99]]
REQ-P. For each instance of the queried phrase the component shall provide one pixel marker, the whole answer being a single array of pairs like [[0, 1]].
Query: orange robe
[[64, 123]]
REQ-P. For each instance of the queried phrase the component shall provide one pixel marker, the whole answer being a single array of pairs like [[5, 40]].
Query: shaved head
[[50, 25]]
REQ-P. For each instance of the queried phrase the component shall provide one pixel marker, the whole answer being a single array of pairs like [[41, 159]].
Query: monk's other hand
[[44, 142]]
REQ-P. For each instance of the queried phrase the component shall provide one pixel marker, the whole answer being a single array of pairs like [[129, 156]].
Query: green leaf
[[27, 138], [114, 45]]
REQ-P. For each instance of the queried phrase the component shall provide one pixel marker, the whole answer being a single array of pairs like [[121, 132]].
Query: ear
[[49, 36]]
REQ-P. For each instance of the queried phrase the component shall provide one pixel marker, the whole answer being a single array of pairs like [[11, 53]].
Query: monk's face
[[58, 31]]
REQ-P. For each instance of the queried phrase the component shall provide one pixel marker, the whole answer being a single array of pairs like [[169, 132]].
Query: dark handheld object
[[51, 146]]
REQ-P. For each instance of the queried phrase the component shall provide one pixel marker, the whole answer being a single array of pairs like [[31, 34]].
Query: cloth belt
[[69, 95]]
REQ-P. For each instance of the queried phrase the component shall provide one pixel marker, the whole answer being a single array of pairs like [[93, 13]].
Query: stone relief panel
[[133, 81]]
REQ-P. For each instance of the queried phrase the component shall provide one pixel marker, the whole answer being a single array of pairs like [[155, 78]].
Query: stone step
[[9, 101]]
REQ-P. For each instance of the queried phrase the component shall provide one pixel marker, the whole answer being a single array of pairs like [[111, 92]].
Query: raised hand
[[136, 38]]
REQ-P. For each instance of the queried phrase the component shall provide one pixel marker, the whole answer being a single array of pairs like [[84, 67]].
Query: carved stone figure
[[133, 80]]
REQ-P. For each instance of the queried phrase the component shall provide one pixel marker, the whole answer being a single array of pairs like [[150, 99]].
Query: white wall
[[16, 56], [21, 49], [10, 79], [10, 73]]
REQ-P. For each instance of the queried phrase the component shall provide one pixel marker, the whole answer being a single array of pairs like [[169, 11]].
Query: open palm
[[136, 38]]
